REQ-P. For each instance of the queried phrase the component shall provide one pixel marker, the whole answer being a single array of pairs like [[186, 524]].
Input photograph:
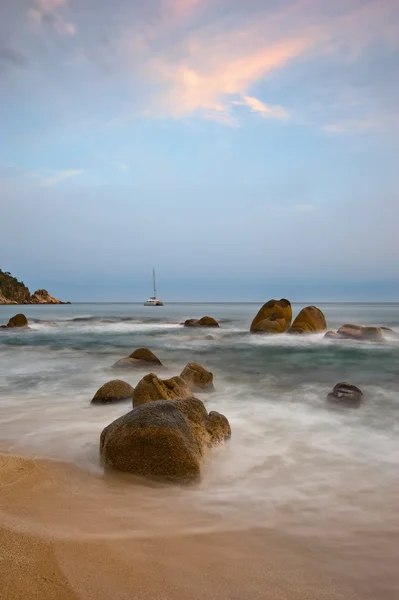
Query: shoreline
[[69, 535]]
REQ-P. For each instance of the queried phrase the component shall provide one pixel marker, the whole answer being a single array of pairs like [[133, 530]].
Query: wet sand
[[68, 535]]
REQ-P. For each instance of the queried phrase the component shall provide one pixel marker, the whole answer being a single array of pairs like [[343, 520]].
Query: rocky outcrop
[[13, 291], [309, 320], [203, 322], [164, 439], [346, 394], [19, 320], [151, 389], [197, 377], [274, 317], [43, 297], [358, 332], [113, 391]]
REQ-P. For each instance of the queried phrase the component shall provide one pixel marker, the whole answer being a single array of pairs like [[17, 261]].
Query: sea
[[294, 462]]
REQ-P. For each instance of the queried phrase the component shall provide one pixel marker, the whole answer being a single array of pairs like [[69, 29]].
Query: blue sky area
[[248, 149]]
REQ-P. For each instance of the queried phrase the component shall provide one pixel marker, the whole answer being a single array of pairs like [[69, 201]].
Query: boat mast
[[153, 279]]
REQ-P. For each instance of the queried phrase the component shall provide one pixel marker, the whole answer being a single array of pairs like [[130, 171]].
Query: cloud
[[213, 72], [51, 12], [58, 177], [257, 106]]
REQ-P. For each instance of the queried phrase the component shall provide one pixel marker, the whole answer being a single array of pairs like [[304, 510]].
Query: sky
[[247, 150]]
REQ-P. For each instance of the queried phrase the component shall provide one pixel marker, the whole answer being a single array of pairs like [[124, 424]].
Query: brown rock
[[145, 355], [203, 322], [151, 388], [358, 332], [218, 427], [274, 317], [197, 377], [208, 322], [153, 440], [18, 321], [43, 297], [331, 335], [346, 394], [309, 320], [113, 391]]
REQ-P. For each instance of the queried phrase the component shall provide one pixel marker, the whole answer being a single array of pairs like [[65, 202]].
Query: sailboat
[[153, 301]]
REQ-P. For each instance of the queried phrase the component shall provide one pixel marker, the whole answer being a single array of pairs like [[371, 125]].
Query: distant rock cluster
[[13, 291]]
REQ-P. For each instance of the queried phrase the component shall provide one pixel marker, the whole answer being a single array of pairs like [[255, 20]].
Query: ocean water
[[293, 461]]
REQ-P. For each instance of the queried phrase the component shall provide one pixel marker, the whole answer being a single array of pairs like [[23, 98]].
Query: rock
[[197, 377], [43, 297], [151, 388], [203, 322], [209, 337], [358, 332], [145, 355], [113, 391], [18, 321], [331, 335], [309, 320], [191, 323], [346, 394], [274, 317], [219, 427], [153, 440], [166, 439], [126, 363], [208, 322]]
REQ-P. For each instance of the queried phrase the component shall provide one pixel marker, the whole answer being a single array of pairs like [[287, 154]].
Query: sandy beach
[[67, 535]]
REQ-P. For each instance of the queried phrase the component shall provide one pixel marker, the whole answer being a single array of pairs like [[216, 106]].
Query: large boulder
[[358, 332], [113, 391], [18, 321], [151, 388], [309, 320], [203, 322], [165, 439], [153, 440], [274, 317], [197, 377], [346, 394]]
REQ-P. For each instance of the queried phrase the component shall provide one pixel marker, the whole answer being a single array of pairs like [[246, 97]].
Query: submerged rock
[[145, 355], [358, 332], [151, 388], [346, 394], [113, 391], [19, 320], [274, 317], [197, 377], [203, 322], [309, 320], [331, 335]]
